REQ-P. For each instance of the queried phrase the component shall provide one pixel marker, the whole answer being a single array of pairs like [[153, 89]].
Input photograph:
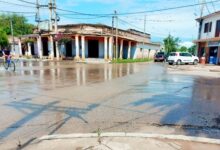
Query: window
[[217, 32], [173, 54], [208, 27], [188, 55]]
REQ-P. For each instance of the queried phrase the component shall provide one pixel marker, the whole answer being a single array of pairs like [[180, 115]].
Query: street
[[46, 98]]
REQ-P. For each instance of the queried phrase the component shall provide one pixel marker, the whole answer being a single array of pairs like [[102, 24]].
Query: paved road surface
[[63, 97]]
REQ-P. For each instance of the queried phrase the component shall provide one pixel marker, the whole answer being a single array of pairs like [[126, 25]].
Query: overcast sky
[[179, 23]]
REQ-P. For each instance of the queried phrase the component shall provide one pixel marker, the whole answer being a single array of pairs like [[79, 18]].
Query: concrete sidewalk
[[122, 141]]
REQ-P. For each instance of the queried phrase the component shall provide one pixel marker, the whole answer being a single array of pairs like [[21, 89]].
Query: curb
[[133, 135]]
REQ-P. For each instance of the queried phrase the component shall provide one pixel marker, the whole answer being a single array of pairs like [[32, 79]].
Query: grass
[[131, 60]]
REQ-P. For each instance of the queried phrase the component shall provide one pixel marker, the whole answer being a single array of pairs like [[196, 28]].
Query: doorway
[[93, 46], [45, 46], [32, 49], [69, 49]]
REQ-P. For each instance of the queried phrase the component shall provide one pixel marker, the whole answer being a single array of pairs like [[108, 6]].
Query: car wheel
[[195, 62], [178, 62]]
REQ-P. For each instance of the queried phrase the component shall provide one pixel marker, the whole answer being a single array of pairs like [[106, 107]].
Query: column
[[63, 50], [105, 48], [51, 47], [77, 46], [218, 56], [57, 50], [83, 47], [29, 49], [121, 49], [39, 45], [110, 47], [19, 47], [129, 49], [73, 47]]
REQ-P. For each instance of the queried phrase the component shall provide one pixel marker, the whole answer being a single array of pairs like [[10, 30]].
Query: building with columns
[[83, 41]]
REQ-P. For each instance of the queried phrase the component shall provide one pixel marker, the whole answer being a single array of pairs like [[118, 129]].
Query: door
[[217, 31], [183, 57], [69, 49], [93, 49], [189, 58]]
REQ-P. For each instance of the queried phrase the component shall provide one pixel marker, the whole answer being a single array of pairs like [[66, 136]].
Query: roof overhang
[[207, 40], [207, 16]]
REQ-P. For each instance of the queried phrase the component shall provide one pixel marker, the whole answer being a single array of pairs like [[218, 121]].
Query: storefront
[[210, 50]]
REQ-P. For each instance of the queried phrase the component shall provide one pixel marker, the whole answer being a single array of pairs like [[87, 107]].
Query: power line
[[130, 24], [97, 17], [16, 4], [138, 27], [143, 12], [28, 2], [15, 12]]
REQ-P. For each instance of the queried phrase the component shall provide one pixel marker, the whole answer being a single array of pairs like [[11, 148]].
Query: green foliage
[[131, 60], [20, 25], [183, 49], [192, 49], [171, 44], [3, 39]]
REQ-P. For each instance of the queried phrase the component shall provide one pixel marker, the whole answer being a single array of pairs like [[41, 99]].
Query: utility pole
[[37, 17], [116, 36], [50, 5], [56, 29], [55, 15], [144, 35], [202, 6], [12, 34], [113, 24]]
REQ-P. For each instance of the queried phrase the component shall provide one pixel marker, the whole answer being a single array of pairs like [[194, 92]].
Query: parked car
[[160, 56], [182, 58]]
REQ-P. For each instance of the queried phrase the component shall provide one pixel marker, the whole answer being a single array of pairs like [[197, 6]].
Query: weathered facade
[[82, 41], [208, 43]]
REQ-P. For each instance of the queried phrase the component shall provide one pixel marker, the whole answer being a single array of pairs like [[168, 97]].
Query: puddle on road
[[52, 75]]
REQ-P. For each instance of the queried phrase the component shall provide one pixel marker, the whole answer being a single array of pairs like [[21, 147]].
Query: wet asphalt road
[[64, 97]]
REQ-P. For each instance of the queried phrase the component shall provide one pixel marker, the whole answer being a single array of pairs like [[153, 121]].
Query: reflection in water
[[206, 94], [69, 73]]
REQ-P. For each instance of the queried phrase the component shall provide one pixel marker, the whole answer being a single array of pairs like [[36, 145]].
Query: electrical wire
[[16, 4], [141, 12], [97, 17], [15, 12], [28, 2], [130, 24]]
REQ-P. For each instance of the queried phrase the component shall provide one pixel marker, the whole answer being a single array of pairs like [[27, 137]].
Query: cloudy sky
[[179, 23]]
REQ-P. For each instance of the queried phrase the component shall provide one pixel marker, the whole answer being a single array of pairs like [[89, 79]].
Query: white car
[[182, 58]]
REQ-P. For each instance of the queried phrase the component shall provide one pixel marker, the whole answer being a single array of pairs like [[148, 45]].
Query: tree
[[192, 49], [20, 24], [171, 44], [183, 49], [3, 39]]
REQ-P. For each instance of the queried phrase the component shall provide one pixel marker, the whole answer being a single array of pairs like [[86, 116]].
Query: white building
[[82, 41], [208, 42]]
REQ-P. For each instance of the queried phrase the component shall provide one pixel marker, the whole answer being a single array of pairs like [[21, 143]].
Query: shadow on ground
[[193, 107]]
